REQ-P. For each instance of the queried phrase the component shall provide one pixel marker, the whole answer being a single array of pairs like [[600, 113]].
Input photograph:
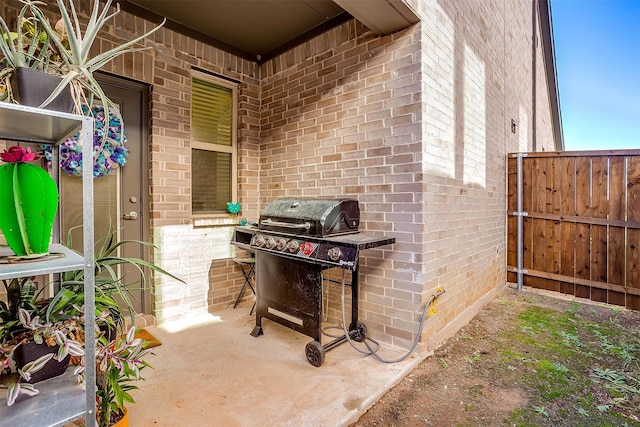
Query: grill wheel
[[359, 334], [315, 353]]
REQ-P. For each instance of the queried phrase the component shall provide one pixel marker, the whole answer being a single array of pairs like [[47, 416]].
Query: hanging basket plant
[[29, 201], [109, 150]]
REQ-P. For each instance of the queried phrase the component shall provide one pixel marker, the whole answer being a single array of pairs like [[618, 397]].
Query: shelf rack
[[60, 400]]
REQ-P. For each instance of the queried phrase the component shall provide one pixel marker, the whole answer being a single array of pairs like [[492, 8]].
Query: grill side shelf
[[362, 241]]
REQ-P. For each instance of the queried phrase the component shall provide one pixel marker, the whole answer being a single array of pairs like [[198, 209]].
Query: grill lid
[[311, 217]]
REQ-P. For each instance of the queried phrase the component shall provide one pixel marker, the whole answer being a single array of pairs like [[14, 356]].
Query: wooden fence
[[580, 224]]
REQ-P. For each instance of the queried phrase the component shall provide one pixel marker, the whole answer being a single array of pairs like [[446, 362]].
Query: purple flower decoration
[[109, 152]]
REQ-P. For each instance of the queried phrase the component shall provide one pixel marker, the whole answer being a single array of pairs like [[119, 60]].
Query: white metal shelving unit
[[60, 400]]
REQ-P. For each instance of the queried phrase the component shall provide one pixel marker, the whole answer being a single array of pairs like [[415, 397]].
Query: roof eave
[[546, 26]]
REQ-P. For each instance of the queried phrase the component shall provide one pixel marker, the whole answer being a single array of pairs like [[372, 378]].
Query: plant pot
[[32, 87], [124, 421], [31, 351]]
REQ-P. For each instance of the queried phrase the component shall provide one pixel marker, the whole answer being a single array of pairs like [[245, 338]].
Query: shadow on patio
[[213, 373]]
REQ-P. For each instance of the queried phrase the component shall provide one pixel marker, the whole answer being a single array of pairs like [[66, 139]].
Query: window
[[213, 144]]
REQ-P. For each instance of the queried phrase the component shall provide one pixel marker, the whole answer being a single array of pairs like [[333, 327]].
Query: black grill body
[[291, 295], [296, 239]]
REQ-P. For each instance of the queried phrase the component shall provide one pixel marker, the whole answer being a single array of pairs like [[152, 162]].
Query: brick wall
[[184, 249], [415, 125], [344, 122], [170, 172]]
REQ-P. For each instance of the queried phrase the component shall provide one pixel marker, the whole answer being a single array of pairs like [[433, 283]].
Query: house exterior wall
[[416, 125], [341, 118], [470, 60], [197, 254]]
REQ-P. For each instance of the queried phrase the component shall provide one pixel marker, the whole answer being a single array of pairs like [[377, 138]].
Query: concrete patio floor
[[211, 372]]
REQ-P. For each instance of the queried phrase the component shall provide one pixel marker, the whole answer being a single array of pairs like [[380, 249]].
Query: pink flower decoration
[[18, 154]]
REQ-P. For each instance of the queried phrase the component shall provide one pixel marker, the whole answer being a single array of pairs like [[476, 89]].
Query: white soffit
[[381, 16]]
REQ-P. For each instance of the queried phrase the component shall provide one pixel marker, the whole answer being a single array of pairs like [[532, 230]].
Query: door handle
[[131, 216]]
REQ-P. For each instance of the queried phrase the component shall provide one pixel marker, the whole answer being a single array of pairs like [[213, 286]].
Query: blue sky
[[597, 47]]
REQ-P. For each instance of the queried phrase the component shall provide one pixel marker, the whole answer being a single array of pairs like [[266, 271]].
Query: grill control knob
[[293, 246], [258, 241], [281, 244], [334, 254], [269, 242]]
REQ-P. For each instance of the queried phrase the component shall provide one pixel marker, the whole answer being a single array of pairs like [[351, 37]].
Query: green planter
[[29, 200]]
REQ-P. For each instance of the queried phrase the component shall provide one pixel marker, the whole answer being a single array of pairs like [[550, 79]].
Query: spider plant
[[109, 283]]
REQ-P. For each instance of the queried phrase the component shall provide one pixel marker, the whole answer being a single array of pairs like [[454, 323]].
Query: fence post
[[520, 225]]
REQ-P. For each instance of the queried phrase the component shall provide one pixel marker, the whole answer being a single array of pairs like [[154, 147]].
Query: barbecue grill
[[295, 241]]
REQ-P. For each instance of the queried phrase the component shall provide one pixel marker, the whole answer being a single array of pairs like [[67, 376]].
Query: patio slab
[[211, 372]]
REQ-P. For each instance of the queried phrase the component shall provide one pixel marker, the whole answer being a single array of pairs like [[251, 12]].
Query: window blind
[[211, 113]]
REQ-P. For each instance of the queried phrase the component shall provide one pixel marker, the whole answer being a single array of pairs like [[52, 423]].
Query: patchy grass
[[581, 366], [527, 359]]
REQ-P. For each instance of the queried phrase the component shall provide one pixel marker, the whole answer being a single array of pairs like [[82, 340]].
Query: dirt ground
[[527, 359]]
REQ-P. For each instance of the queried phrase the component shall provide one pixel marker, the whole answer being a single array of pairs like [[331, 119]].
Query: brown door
[[121, 197]]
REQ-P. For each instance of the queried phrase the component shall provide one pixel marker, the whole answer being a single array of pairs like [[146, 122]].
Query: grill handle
[[269, 222]]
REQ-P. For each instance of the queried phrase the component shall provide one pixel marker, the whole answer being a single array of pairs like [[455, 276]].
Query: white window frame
[[207, 146]]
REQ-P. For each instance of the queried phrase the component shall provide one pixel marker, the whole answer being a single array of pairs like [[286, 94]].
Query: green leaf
[[28, 389], [24, 316], [63, 350], [36, 365], [583, 412], [13, 392], [37, 338], [9, 222], [74, 348], [39, 195], [131, 334], [17, 201], [59, 301]]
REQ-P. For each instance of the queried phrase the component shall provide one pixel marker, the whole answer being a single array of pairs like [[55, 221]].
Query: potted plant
[[41, 350], [76, 66], [118, 366], [27, 56], [62, 50], [29, 200], [25, 47], [118, 363]]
